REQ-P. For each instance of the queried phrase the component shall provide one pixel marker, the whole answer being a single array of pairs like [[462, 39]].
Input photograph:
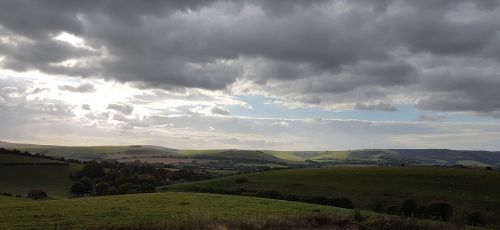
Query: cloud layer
[[199, 56]]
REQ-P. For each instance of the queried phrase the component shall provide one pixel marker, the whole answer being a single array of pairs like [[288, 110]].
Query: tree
[[88, 185], [102, 189], [78, 188], [147, 187], [92, 169], [127, 188]]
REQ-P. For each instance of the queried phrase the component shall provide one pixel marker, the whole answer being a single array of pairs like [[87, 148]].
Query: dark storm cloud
[[81, 88], [331, 51]]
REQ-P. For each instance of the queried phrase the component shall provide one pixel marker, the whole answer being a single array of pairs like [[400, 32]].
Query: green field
[[20, 179], [21, 213], [16, 159], [466, 189]]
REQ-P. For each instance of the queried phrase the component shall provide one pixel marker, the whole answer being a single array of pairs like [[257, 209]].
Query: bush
[[475, 219], [241, 180], [342, 202], [37, 194], [78, 188], [409, 208], [102, 189], [128, 188], [440, 211], [146, 187], [357, 216], [87, 184], [269, 194], [92, 169], [318, 200]]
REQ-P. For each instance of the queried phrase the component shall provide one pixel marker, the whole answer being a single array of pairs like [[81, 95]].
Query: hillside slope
[[18, 213], [19, 174], [466, 189]]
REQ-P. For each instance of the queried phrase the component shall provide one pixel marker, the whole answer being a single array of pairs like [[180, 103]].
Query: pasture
[[21, 213], [467, 190]]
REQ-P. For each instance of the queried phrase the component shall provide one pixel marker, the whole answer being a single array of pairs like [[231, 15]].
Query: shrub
[[87, 184], [357, 216], [409, 208], [269, 194], [102, 189], [440, 211], [146, 187], [78, 188], [318, 200], [92, 169], [37, 194], [475, 219], [127, 188], [342, 202], [241, 180]]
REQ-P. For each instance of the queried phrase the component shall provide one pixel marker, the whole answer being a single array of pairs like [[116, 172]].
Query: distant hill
[[92, 152], [415, 156], [363, 156]]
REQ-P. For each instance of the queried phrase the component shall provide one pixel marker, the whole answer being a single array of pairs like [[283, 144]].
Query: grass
[[21, 213], [466, 190], [286, 155], [13, 158], [54, 179], [333, 155]]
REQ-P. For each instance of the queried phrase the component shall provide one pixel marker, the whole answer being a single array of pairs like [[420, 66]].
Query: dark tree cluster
[[409, 208], [112, 178]]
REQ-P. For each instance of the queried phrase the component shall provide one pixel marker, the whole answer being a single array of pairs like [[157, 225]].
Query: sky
[[259, 74]]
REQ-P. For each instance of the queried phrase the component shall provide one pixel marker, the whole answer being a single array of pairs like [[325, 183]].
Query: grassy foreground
[[21, 213], [467, 190], [191, 211]]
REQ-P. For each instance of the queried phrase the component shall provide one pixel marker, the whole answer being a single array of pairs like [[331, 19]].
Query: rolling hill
[[174, 210], [21, 213], [368, 187], [367, 156]]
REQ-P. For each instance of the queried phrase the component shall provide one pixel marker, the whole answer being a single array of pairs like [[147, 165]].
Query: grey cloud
[[122, 108], [369, 50], [381, 106], [85, 107], [81, 88], [219, 111]]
